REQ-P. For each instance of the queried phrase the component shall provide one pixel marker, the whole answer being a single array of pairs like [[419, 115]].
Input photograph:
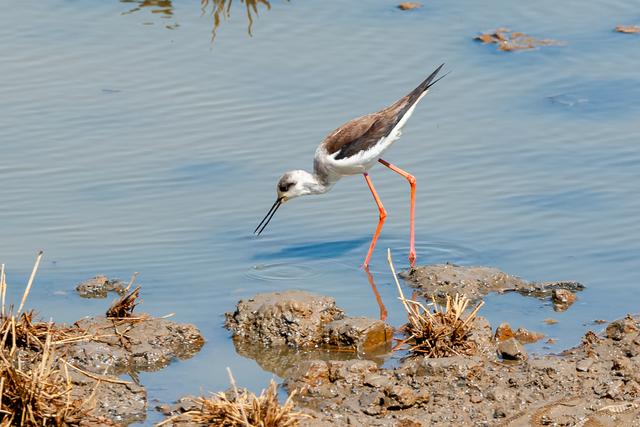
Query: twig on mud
[[96, 376]]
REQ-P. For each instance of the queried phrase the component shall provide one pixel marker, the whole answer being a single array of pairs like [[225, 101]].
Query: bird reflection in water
[[221, 9], [374, 288]]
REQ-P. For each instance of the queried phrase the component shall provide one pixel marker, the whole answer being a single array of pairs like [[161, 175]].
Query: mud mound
[[474, 282], [145, 344], [304, 320]]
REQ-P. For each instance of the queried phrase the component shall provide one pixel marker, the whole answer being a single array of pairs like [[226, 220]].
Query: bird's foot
[[412, 258]]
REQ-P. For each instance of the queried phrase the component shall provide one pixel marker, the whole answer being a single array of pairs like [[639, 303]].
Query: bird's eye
[[284, 187]]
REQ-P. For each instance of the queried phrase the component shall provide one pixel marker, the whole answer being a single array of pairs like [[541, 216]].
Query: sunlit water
[[130, 142]]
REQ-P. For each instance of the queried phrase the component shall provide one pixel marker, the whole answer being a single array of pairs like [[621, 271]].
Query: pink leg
[[383, 215], [412, 212]]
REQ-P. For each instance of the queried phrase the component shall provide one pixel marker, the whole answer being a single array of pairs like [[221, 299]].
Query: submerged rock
[[99, 287], [562, 299]]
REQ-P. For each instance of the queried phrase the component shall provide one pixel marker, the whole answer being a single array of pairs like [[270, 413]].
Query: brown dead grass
[[242, 409], [35, 388], [37, 394], [508, 40], [441, 331], [122, 308]]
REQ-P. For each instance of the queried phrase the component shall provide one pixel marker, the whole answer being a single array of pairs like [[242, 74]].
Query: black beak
[[268, 216]]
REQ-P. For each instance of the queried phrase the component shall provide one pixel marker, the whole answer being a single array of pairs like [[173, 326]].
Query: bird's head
[[292, 184]]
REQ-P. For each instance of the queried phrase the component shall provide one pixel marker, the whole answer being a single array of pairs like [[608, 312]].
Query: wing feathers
[[364, 132]]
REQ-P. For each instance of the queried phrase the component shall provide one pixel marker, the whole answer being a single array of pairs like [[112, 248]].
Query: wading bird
[[353, 149]]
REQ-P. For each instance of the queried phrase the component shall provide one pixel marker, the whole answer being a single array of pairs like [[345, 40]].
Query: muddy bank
[[595, 383], [142, 344]]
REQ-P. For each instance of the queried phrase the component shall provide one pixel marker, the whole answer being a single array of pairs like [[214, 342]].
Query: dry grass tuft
[[441, 331], [35, 388], [243, 409], [38, 394], [123, 307]]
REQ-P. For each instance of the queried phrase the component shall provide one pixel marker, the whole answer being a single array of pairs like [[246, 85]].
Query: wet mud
[[475, 282], [595, 383], [122, 346]]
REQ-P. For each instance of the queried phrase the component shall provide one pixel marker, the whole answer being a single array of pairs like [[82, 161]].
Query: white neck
[[314, 184]]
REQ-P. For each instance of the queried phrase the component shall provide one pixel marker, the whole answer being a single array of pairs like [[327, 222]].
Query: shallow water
[[132, 142]]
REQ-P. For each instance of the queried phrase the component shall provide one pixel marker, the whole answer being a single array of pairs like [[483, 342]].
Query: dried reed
[[35, 389], [122, 308], [243, 409], [38, 395], [440, 331]]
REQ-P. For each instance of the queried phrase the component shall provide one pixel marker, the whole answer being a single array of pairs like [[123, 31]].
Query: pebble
[[511, 349], [563, 297], [503, 332], [526, 336], [583, 365]]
